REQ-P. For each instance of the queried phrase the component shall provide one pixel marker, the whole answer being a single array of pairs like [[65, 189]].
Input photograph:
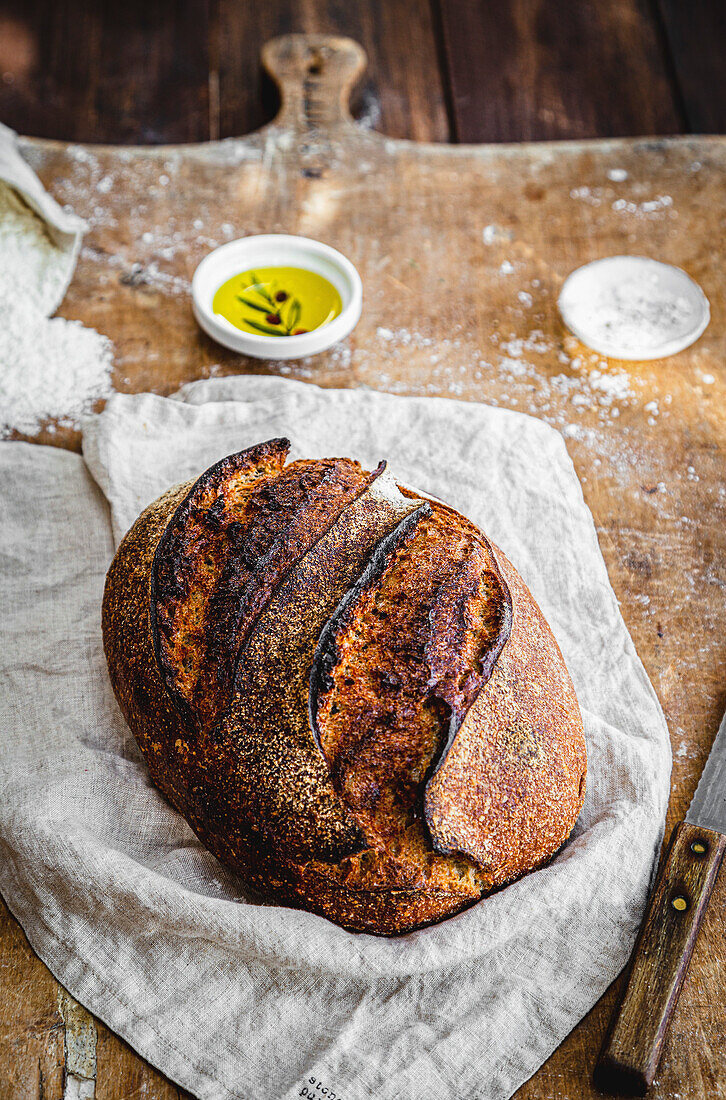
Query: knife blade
[[708, 805], [634, 1042]]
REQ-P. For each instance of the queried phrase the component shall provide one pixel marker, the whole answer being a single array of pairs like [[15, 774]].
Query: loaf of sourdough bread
[[346, 689]]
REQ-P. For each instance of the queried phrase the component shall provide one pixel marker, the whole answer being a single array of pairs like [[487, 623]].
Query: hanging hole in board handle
[[315, 74]]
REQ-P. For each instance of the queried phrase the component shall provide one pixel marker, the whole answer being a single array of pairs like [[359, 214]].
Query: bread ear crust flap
[[512, 784]]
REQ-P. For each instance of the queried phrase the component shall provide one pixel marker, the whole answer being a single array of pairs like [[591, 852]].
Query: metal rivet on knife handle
[[633, 1045]]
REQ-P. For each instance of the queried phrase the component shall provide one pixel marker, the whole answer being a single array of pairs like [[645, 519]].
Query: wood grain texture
[[533, 70], [401, 93], [79, 1048], [660, 960], [524, 70], [462, 252], [83, 70], [695, 34], [31, 1025], [149, 73]]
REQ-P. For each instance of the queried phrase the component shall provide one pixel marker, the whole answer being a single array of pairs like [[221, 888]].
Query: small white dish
[[632, 307], [276, 250]]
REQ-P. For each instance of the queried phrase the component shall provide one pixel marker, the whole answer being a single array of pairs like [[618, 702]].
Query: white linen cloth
[[65, 228], [239, 1000]]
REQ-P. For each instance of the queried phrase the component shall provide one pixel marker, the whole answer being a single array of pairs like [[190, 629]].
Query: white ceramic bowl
[[276, 250], [632, 307]]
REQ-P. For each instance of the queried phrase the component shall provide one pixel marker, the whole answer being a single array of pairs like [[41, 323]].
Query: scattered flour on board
[[590, 384], [650, 206], [599, 196], [517, 373], [49, 369], [160, 243]]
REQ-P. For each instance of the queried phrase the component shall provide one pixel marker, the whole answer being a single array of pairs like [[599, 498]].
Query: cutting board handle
[[315, 74]]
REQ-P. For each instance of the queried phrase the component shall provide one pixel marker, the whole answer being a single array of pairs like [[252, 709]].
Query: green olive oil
[[277, 301]]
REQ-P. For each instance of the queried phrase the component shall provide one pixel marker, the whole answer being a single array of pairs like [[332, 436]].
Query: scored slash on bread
[[398, 666], [345, 689], [281, 782], [229, 543]]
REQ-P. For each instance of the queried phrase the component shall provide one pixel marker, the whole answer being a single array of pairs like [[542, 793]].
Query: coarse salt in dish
[[632, 307]]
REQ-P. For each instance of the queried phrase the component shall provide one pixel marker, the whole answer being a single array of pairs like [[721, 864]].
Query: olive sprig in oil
[[277, 301], [276, 323]]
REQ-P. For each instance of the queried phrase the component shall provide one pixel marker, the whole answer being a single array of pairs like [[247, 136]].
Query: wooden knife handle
[[633, 1044]]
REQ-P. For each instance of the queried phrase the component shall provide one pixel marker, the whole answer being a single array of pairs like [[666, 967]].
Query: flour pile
[[49, 369]]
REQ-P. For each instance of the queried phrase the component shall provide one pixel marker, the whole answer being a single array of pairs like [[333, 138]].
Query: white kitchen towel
[[234, 999], [64, 228]]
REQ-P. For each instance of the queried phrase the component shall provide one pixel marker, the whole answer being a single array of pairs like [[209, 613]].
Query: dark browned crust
[[456, 684], [499, 799], [131, 657], [175, 570], [454, 681], [280, 782], [299, 507], [225, 558], [379, 912], [326, 654], [399, 664], [513, 783]]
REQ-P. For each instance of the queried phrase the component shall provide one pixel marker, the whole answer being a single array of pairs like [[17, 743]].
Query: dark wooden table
[[439, 70], [83, 70]]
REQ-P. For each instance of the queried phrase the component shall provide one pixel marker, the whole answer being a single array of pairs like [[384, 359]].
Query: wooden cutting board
[[462, 251]]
